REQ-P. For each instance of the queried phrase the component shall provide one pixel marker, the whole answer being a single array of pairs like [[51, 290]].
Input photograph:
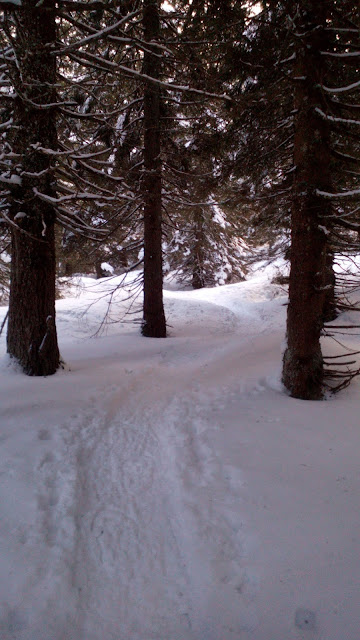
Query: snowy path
[[158, 530], [142, 527], [140, 555], [168, 489]]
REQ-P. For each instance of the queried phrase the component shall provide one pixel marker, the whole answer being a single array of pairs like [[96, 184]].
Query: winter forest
[[179, 245]]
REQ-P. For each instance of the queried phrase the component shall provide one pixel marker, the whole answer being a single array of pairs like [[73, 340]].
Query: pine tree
[[303, 362], [31, 337], [314, 218], [47, 173], [202, 241], [289, 140]]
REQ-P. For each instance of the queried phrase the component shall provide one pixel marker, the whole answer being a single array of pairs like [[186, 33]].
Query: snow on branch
[[73, 154], [329, 118], [7, 124], [345, 156], [18, 228], [76, 196], [342, 194], [348, 225], [289, 59], [343, 29], [349, 87], [73, 222], [98, 34], [99, 172], [108, 65], [13, 179], [346, 54], [10, 4], [73, 5]]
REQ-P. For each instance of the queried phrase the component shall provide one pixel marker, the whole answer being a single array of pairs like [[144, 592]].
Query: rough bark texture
[[154, 324], [31, 336], [303, 362]]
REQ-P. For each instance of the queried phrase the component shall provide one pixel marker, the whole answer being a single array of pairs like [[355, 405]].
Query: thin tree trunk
[[198, 279], [303, 362], [154, 324], [31, 336]]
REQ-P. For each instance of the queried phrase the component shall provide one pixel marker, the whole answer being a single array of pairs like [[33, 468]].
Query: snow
[[343, 194], [348, 87], [20, 215], [10, 179], [105, 266], [346, 54], [119, 127], [87, 105], [218, 216], [326, 116], [169, 489]]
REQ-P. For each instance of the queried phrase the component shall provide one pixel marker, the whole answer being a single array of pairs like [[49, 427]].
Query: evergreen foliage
[[175, 136]]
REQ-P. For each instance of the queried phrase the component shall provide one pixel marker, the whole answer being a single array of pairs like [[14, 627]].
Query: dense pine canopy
[[183, 137]]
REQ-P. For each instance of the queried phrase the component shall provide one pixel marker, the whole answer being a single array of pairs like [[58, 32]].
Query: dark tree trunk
[[31, 337], [303, 362], [198, 276], [100, 272], [154, 324], [68, 268], [330, 310]]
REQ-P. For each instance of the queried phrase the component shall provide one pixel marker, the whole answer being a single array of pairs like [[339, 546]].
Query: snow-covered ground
[[170, 489]]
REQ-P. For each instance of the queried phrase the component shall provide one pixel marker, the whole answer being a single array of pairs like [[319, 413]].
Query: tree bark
[[303, 362], [31, 336], [198, 276], [330, 311], [154, 323]]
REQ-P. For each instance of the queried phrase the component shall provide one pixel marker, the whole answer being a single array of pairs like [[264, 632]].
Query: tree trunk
[[198, 276], [330, 312], [154, 324], [31, 337], [303, 362]]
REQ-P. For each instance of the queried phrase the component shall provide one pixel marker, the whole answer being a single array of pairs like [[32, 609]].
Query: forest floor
[[170, 489]]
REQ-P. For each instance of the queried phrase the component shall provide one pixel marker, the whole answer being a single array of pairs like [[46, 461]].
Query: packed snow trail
[[140, 557], [139, 519]]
